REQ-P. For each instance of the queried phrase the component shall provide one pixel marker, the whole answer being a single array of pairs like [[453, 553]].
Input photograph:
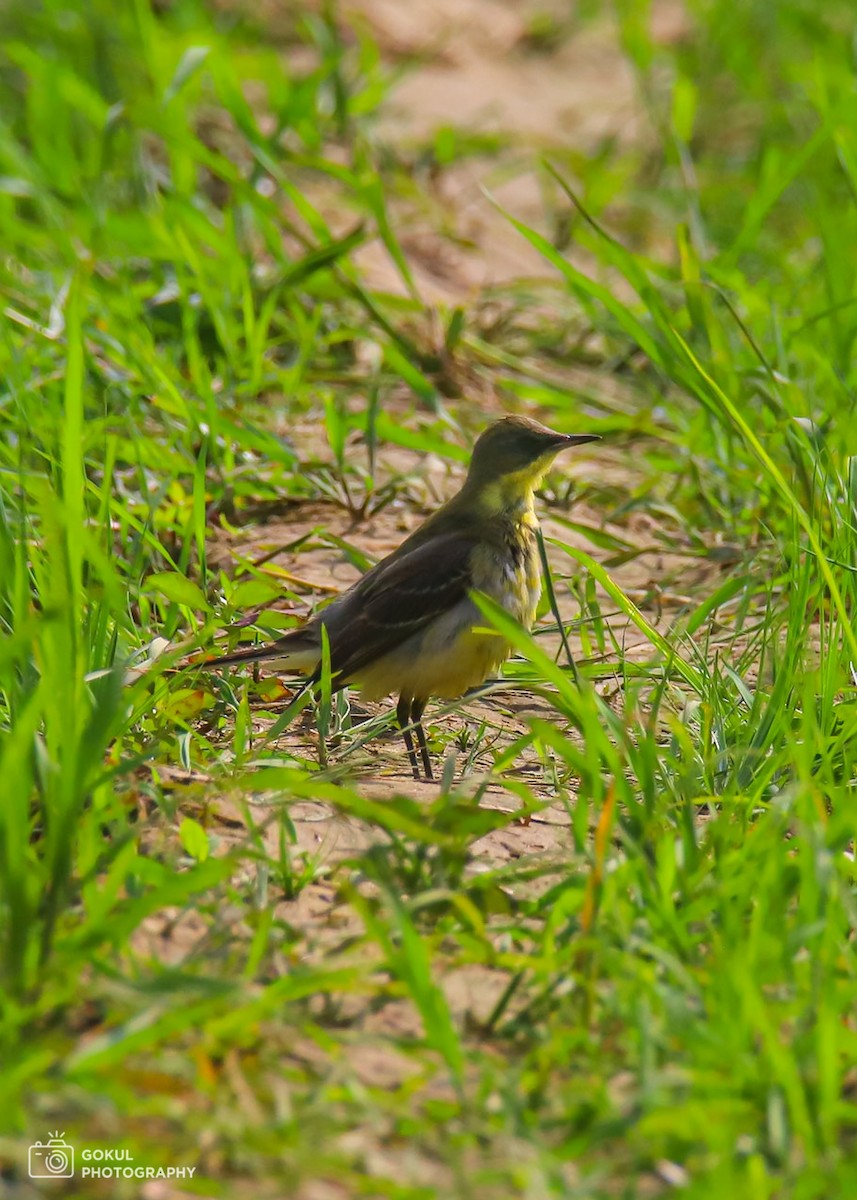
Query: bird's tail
[[296, 651]]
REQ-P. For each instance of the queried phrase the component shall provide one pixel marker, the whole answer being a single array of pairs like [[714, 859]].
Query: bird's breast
[[510, 572]]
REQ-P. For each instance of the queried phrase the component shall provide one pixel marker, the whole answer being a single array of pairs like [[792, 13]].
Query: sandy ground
[[474, 65]]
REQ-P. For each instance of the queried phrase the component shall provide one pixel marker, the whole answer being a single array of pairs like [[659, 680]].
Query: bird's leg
[[417, 710], [403, 716]]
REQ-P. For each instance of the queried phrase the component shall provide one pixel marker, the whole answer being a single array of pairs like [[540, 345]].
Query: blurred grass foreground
[[266, 269]]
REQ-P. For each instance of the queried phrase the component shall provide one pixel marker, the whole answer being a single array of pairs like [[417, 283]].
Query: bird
[[410, 625]]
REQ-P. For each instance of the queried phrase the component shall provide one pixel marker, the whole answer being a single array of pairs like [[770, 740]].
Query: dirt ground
[[476, 65]]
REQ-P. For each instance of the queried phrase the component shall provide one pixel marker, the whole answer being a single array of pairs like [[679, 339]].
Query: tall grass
[[667, 997]]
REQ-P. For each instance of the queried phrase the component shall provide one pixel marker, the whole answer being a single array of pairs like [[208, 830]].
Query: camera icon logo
[[54, 1160]]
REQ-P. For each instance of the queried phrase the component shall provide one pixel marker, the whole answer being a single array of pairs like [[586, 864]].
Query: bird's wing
[[396, 600]]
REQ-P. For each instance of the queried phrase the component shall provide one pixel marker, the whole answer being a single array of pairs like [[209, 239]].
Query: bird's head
[[511, 457]]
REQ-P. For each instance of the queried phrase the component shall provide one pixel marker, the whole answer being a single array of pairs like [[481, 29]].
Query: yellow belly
[[444, 664]]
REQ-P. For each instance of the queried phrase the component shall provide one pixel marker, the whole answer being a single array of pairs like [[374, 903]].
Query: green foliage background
[[678, 994]]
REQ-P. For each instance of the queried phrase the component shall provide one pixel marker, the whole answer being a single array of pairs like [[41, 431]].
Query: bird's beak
[[576, 439]]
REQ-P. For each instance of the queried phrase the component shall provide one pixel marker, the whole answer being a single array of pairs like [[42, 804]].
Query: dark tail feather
[[293, 652]]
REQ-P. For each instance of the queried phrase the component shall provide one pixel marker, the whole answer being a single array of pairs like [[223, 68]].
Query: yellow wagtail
[[409, 625]]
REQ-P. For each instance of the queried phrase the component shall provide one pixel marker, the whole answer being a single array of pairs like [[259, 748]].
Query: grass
[[663, 995]]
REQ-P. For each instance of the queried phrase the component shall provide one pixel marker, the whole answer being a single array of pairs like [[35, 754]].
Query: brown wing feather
[[396, 600]]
